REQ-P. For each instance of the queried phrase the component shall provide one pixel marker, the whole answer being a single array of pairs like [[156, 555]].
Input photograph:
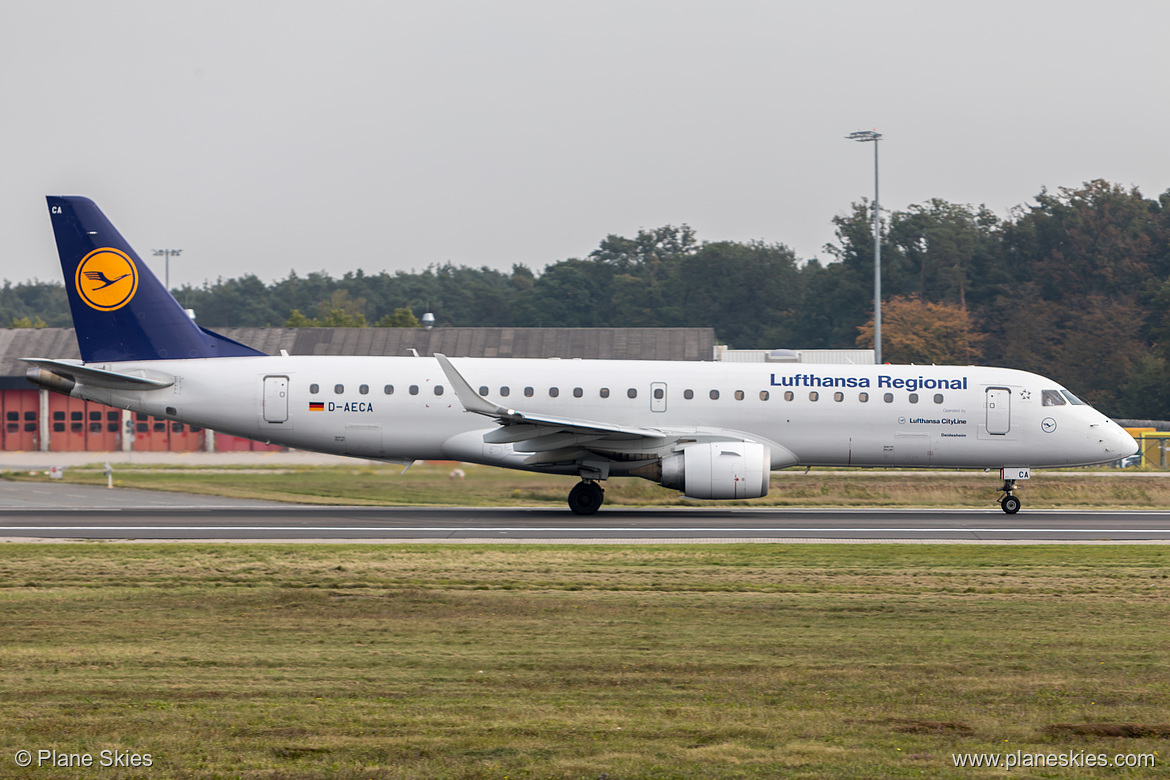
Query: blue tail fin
[[120, 310]]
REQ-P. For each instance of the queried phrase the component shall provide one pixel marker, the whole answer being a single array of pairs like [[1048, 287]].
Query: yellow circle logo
[[106, 279]]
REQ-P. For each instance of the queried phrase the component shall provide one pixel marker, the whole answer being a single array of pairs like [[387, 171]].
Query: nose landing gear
[[1009, 503], [585, 498]]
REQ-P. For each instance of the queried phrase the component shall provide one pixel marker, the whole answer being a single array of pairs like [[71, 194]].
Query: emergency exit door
[[275, 399], [999, 410]]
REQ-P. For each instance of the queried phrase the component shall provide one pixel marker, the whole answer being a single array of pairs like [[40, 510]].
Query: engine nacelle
[[732, 469]]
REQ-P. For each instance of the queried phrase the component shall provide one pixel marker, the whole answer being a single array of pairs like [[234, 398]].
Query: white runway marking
[[559, 529]]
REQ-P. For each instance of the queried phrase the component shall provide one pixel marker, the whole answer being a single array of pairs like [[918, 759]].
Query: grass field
[[431, 484], [291, 662]]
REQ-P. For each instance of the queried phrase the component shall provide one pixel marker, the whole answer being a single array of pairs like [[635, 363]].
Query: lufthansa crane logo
[[106, 279]]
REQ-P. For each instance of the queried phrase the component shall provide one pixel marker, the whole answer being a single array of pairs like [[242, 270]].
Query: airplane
[[710, 430]]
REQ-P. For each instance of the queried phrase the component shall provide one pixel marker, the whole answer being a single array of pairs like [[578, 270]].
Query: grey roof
[[603, 343]]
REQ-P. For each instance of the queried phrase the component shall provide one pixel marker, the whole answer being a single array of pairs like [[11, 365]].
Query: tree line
[[1074, 285]]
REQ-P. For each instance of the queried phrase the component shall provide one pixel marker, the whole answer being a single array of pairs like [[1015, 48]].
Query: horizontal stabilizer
[[98, 377]]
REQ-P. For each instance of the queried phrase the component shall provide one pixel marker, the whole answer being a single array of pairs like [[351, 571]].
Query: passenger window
[[1052, 398], [863, 397], [788, 396], [528, 392], [605, 392], [414, 389], [888, 398], [688, 394], [659, 393], [314, 388], [483, 390], [632, 393], [578, 392], [914, 398], [388, 389], [763, 395], [814, 395], [505, 391], [438, 389], [714, 395], [364, 389], [739, 395], [339, 389], [838, 397], [553, 392], [938, 399]]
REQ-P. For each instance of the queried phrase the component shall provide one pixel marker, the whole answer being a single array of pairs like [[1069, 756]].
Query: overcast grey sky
[[264, 137]]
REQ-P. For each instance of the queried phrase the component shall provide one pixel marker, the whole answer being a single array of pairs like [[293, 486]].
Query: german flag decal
[[316, 406]]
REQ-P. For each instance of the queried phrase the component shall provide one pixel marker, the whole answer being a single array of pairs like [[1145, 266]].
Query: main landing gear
[[585, 498], [1009, 503]]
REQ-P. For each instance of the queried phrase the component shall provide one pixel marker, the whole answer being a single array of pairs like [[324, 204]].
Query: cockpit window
[[1053, 398], [1072, 399]]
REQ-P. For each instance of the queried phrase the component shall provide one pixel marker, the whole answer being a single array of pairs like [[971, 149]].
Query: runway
[[684, 525], [65, 511]]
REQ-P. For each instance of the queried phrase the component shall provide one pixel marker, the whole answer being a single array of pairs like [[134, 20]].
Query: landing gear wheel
[[1009, 503], [585, 498]]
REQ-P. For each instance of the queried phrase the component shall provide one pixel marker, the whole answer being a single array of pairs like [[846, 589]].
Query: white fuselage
[[404, 408]]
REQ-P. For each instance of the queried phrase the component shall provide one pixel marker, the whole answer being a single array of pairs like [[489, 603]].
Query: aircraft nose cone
[[1126, 445]]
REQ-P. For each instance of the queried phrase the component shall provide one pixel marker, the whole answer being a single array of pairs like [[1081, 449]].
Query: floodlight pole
[[866, 136], [167, 254]]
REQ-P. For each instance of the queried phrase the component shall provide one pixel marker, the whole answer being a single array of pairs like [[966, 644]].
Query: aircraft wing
[[99, 377], [552, 439], [474, 402]]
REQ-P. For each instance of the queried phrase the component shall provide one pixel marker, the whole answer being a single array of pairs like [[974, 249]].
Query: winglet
[[471, 400]]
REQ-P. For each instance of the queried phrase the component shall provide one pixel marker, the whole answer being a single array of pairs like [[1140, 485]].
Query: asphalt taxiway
[[65, 511]]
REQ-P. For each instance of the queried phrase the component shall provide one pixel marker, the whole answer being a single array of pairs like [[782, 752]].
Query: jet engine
[[731, 469]]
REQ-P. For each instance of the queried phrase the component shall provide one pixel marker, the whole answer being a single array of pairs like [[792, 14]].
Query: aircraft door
[[998, 401], [275, 399], [658, 396]]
